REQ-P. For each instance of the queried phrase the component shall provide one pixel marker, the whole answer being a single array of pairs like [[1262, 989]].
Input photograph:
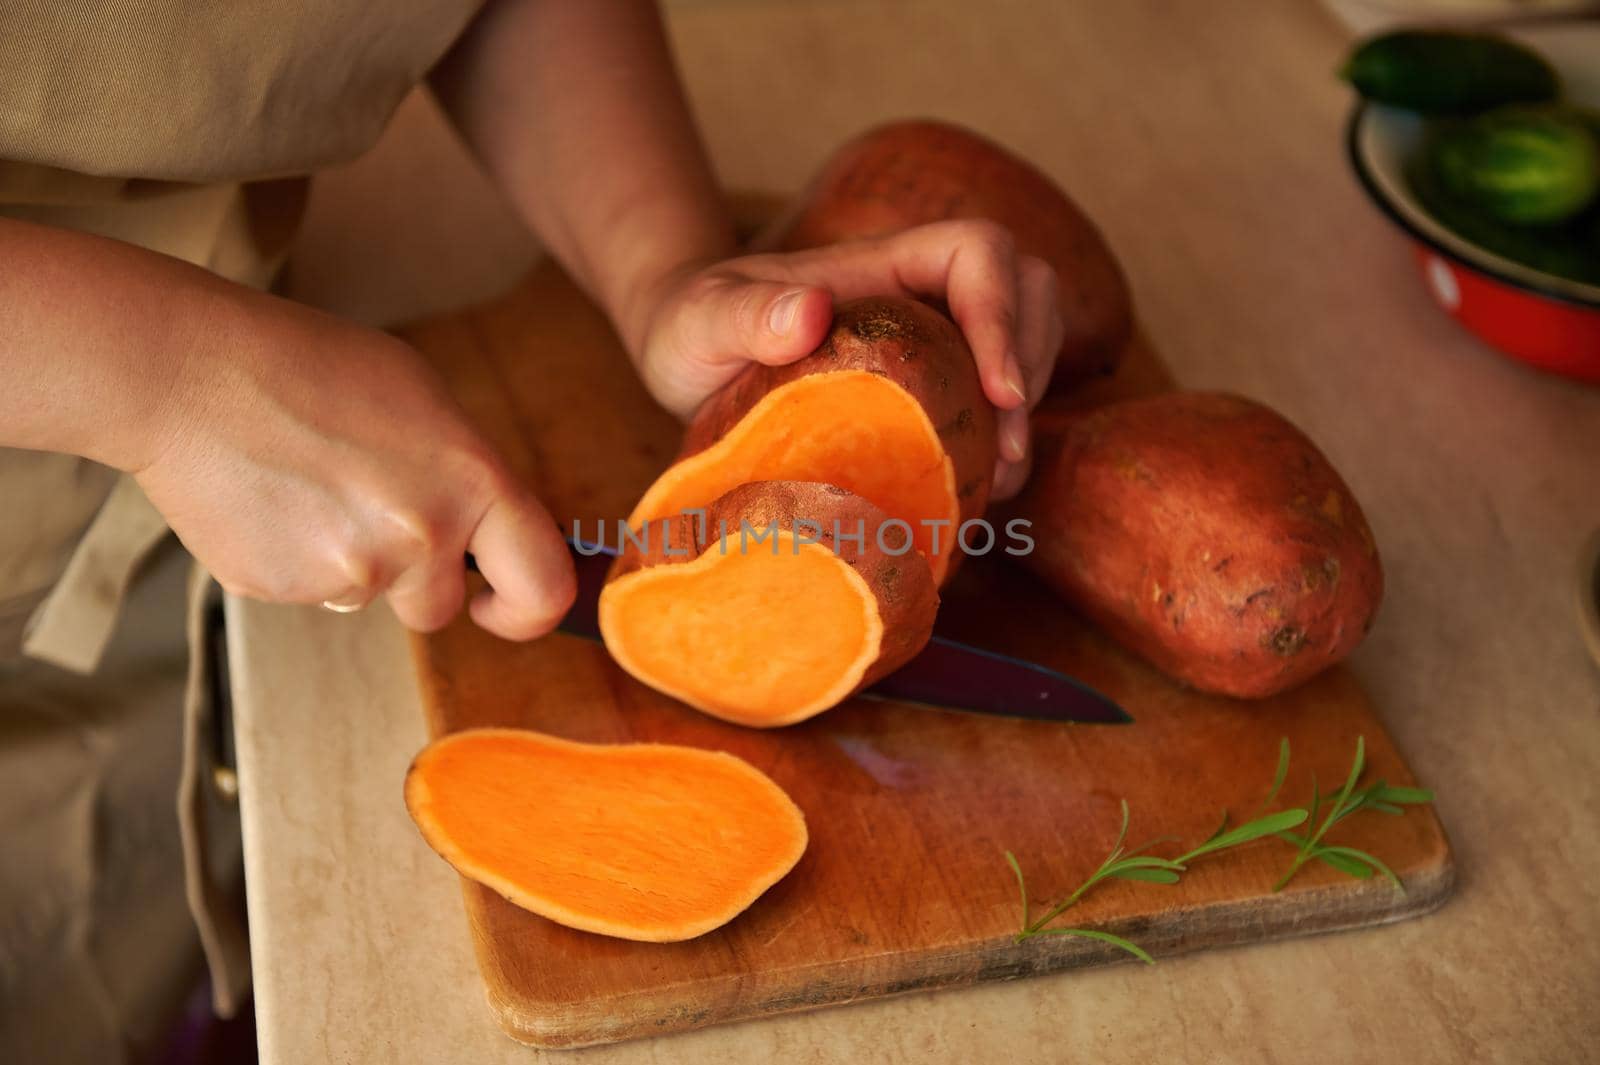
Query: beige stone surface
[[1206, 138]]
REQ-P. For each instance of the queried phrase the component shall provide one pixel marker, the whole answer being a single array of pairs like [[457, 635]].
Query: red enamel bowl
[[1549, 322]]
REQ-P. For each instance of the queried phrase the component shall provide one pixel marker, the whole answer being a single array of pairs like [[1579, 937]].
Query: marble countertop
[[1207, 141]]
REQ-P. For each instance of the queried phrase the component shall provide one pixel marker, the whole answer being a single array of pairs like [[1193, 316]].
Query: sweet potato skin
[[912, 345], [1205, 533], [911, 173], [902, 584]]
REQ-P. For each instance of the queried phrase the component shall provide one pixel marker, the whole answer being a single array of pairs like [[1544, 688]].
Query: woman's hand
[[300, 458], [696, 328], [306, 460]]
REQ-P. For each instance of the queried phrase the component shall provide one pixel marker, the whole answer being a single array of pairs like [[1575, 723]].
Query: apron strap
[[71, 627]]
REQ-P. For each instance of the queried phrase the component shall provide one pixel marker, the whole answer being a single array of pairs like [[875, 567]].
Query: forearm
[[93, 337], [576, 111]]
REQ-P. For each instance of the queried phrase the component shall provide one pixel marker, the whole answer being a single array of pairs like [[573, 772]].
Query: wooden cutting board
[[904, 886]]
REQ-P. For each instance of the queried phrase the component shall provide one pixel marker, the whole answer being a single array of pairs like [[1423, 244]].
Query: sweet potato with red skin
[[751, 615], [1205, 533], [889, 407], [910, 173]]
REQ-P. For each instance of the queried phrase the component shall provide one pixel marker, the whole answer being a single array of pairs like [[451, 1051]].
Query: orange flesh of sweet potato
[[772, 632], [1205, 533], [674, 615], [889, 407], [833, 428], [641, 841]]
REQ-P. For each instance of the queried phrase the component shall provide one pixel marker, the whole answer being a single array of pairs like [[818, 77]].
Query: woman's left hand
[[695, 329]]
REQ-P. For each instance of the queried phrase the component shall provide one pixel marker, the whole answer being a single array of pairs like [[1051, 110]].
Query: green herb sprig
[[1139, 865], [1379, 796]]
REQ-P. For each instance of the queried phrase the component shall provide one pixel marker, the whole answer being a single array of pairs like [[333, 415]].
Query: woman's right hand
[[303, 459]]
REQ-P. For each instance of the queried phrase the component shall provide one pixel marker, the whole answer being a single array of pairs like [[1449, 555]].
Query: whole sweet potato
[[914, 172], [1205, 533]]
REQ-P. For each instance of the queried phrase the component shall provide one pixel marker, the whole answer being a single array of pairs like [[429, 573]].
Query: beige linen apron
[[157, 124]]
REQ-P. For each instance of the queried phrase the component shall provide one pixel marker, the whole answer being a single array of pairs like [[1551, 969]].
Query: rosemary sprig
[[1086, 933], [1138, 865], [1120, 864], [1379, 796]]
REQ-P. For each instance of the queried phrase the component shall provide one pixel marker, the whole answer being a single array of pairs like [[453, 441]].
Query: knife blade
[[950, 675], [946, 674]]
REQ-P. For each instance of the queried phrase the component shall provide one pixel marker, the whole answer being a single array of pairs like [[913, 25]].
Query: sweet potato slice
[[786, 600], [641, 841], [889, 407], [1205, 533], [910, 173]]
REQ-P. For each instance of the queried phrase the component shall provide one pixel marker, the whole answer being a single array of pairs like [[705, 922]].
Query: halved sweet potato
[[1205, 533], [911, 173], [889, 407], [788, 598], [642, 841]]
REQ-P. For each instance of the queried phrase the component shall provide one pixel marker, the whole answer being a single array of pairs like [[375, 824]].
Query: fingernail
[[1017, 441], [784, 308], [1014, 380]]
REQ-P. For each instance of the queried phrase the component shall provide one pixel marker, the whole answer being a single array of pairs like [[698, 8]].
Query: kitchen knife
[[946, 674]]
